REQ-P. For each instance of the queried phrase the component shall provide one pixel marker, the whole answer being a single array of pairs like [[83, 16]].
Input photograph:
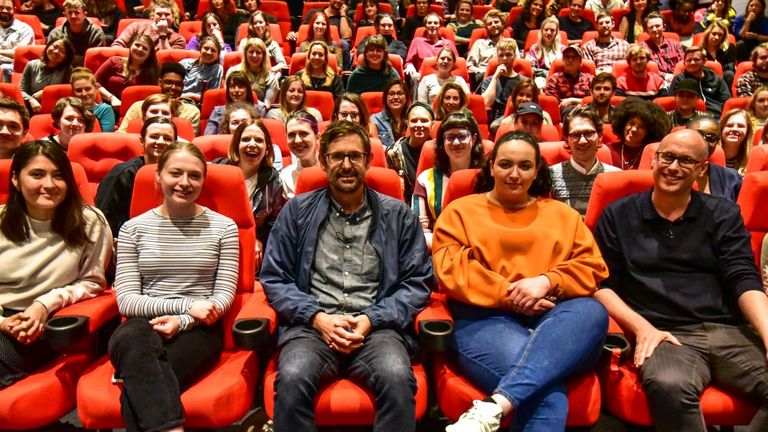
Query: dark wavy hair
[[653, 116], [69, 54], [542, 184], [526, 13], [238, 77], [440, 113], [399, 123], [68, 220], [76, 104], [357, 101], [458, 120], [237, 135]]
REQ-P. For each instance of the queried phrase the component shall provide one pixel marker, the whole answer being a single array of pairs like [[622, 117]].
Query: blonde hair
[[539, 48], [260, 76], [718, 23]]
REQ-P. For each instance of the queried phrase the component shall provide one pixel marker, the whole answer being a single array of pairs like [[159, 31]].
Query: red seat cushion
[[455, 394], [52, 386], [343, 402], [217, 400], [625, 398]]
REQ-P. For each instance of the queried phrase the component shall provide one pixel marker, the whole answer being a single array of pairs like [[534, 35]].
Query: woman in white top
[[177, 270], [430, 85], [53, 252], [303, 140]]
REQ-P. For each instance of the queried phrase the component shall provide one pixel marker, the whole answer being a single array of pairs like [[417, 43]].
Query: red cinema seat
[[429, 66], [373, 101], [133, 94], [98, 153], [621, 68], [455, 394], [716, 67], [23, 55], [383, 8], [592, 34], [231, 59], [125, 22], [587, 14], [279, 136], [667, 35], [547, 103], [514, 12], [49, 392], [555, 152], [587, 66], [758, 159], [225, 392], [205, 6], [96, 56], [188, 29], [669, 103], [51, 95], [549, 133], [41, 125], [378, 158], [444, 32], [213, 146], [303, 34], [322, 100], [184, 127], [649, 151], [624, 396], [279, 9], [11, 91], [309, 5], [752, 199], [736, 102], [36, 25], [343, 402], [521, 66], [618, 14], [482, 33], [175, 55]]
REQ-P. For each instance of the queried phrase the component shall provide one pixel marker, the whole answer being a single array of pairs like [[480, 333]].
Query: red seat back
[[184, 127], [133, 94], [188, 29], [98, 153], [24, 54], [444, 32], [758, 159], [429, 66], [521, 66], [716, 67], [555, 152], [752, 200], [322, 100], [462, 183], [382, 180], [51, 95], [213, 146], [610, 186], [175, 55], [41, 125], [81, 180], [669, 103], [97, 56], [303, 34], [298, 60], [36, 25], [373, 101]]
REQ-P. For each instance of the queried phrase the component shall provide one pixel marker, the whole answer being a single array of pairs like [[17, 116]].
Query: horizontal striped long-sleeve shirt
[[164, 264]]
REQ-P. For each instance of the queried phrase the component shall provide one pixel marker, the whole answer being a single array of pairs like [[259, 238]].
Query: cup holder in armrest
[[251, 333], [435, 335], [617, 342], [62, 331]]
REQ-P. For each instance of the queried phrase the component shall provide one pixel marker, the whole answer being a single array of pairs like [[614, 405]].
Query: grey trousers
[[732, 357]]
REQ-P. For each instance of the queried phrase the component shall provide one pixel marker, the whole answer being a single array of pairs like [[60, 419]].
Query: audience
[[497, 87], [14, 123], [118, 73], [714, 90], [717, 48], [603, 89], [736, 139], [403, 156], [375, 70], [665, 52], [303, 139], [631, 24], [750, 29], [211, 27], [257, 66], [531, 18], [78, 30], [292, 98], [758, 108], [546, 50], [430, 85], [637, 123], [85, 87], [687, 93], [574, 24], [638, 81], [758, 76], [716, 180], [13, 33], [317, 73], [53, 67], [606, 49], [392, 122], [159, 28], [451, 98], [571, 85], [202, 73], [485, 49]]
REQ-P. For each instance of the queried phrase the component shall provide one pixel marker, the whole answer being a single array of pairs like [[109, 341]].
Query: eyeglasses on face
[[349, 115], [589, 135], [463, 137], [337, 158], [667, 158]]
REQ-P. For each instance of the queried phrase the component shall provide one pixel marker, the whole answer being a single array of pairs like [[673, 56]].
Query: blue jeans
[[527, 359], [383, 365]]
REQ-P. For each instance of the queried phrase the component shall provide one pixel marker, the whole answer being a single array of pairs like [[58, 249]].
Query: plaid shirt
[[564, 86], [605, 55], [748, 83], [666, 55]]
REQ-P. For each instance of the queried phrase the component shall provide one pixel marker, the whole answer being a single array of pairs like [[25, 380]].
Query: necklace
[[628, 164]]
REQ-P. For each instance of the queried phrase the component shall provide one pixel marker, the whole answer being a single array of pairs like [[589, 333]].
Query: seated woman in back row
[[53, 252], [518, 287]]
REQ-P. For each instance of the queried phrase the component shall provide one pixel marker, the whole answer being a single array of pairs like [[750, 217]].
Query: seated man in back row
[[683, 282], [347, 271]]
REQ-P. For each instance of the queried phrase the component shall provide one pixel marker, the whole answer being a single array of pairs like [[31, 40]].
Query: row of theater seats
[[226, 393]]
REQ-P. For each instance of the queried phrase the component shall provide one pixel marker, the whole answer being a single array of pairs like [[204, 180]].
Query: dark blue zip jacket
[[397, 237]]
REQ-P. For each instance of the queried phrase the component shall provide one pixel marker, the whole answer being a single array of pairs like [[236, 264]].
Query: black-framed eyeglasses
[[349, 115], [589, 135], [462, 137], [667, 158], [337, 158]]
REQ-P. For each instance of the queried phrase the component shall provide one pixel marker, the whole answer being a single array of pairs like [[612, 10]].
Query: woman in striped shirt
[[177, 270]]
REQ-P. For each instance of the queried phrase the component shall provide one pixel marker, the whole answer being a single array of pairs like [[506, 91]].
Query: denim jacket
[[406, 277]]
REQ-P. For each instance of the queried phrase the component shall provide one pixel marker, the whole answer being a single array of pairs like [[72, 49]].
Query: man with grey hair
[[683, 282]]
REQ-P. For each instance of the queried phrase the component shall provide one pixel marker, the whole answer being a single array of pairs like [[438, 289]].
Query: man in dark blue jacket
[[347, 270]]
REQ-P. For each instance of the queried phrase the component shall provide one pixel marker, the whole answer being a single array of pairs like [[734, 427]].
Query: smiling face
[[302, 141], [494, 26], [11, 132], [640, 5], [734, 133], [524, 95], [163, 14], [634, 132], [258, 25], [548, 34], [451, 101], [172, 84], [458, 144], [317, 57], [209, 52], [583, 141], [396, 98], [445, 61], [370, 9], [86, 90], [419, 124], [139, 50], [295, 95], [464, 13], [236, 117], [162, 109], [346, 177], [181, 179], [672, 178], [237, 92], [319, 27], [694, 63], [536, 8], [255, 57], [253, 147], [42, 186], [576, 9], [656, 29], [432, 26], [157, 137], [374, 55], [514, 170], [56, 53], [349, 112], [71, 123]]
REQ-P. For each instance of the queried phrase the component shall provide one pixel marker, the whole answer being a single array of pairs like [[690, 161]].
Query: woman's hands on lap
[[168, 326], [526, 296], [27, 326], [204, 311]]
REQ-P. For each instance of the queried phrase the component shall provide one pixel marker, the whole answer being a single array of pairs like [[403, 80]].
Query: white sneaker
[[482, 417]]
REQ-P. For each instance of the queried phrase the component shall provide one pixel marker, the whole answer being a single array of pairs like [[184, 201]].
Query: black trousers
[[18, 360], [154, 370]]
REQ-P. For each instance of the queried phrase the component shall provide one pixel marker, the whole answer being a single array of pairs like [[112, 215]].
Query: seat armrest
[[74, 322], [434, 326], [255, 323]]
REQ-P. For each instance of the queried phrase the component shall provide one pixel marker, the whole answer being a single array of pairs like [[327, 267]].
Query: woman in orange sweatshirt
[[519, 286]]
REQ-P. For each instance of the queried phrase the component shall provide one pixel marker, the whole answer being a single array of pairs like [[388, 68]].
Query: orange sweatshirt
[[479, 248]]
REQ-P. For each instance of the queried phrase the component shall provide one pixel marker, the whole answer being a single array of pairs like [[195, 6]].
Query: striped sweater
[[164, 264]]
